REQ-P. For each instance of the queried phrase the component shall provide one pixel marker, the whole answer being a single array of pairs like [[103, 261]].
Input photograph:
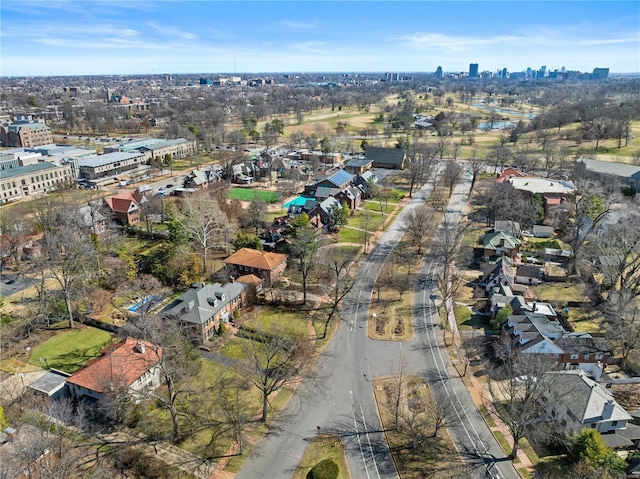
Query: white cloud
[[297, 24]]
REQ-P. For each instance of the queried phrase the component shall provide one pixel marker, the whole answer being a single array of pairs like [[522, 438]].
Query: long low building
[[109, 164], [37, 178], [629, 174], [157, 148]]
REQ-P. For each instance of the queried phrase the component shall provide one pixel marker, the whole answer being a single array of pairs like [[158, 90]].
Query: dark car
[[170, 185], [11, 281]]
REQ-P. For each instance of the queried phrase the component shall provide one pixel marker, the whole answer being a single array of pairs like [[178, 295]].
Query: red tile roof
[[256, 259], [121, 202], [120, 365], [249, 279], [510, 173]]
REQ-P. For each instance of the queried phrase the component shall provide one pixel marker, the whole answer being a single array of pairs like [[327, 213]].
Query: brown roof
[[119, 365], [121, 202], [251, 279], [256, 259]]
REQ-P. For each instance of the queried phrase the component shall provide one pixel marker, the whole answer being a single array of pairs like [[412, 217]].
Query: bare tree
[[418, 164], [399, 388], [447, 250], [304, 247], [274, 361], [444, 411], [255, 215], [337, 264], [418, 225], [521, 394], [68, 255], [451, 175], [624, 332], [205, 224]]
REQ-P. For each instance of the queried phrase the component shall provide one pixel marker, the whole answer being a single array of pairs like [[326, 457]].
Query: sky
[[94, 37]]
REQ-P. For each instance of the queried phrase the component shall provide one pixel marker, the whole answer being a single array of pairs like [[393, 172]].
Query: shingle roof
[[256, 259], [392, 156], [120, 365], [607, 167], [542, 185], [584, 397], [201, 302], [582, 345], [492, 241]]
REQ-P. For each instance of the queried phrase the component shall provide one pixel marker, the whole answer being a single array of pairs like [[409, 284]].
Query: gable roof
[[492, 241], [256, 259], [250, 279], [123, 201], [582, 345], [392, 156], [340, 178], [120, 365], [202, 301]]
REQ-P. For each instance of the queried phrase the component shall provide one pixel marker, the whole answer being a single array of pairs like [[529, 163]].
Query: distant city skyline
[[114, 37]]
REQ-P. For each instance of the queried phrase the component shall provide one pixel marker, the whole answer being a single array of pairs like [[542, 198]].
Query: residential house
[[390, 158], [203, 307], [502, 271], [125, 206], [267, 266], [93, 219], [528, 274], [351, 195], [202, 177], [130, 366], [534, 333], [499, 244], [333, 183], [509, 173], [362, 181], [553, 192], [357, 166], [254, 285], [577, 401]]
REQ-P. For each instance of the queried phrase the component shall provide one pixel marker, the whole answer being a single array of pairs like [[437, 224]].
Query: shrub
[[326, 469]]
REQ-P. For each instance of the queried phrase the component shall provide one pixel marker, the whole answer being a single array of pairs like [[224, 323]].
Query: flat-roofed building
[[157, 148], [37, 178], [109, 164]]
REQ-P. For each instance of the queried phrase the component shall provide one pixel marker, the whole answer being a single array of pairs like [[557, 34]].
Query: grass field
[[321, 448], [69, 350], [246, 194]]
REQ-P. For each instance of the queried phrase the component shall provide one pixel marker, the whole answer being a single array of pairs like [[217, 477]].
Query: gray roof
[[538, 323], [25, 170], [584, 397], [108, 158], [582, 345], [326, 192], [51, 382], [201, 302], [609, 168], [392, 156], [359, 162]]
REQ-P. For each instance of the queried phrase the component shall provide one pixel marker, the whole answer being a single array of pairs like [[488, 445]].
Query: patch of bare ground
[[419, 445]]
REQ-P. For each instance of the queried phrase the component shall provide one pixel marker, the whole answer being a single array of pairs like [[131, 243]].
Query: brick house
[[265, 265], [204, 306], [125, 206]]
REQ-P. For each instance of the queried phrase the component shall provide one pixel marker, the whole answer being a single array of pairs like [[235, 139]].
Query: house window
[[599, 356], [586, 356], [574, 356], [593, 426], [614, 423]]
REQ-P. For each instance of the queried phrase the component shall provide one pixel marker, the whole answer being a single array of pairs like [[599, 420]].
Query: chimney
[[607, 410]]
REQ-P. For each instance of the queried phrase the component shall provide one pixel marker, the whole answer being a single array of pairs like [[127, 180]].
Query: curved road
[[339, 398]]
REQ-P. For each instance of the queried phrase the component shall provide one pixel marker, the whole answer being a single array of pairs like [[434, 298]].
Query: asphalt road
[[339, 398], [12, 283]]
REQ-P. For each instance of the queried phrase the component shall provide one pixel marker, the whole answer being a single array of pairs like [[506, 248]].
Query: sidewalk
[[482, 399]]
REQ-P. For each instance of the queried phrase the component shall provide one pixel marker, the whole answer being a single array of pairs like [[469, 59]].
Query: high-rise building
[[600, 74], [504, 73], [542, 72], [438, 73], [473, 70]]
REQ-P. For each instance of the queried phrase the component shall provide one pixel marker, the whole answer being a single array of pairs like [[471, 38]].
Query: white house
[[130, 366]]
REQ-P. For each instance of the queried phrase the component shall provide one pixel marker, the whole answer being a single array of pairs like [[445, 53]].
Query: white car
[[526, 379]]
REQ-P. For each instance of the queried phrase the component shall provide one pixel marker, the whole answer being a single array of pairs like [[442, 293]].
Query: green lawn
[[248, 194], [69, 350], [321, 448], [560, 292], [292, 321], [360, 220], [348, 235]]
